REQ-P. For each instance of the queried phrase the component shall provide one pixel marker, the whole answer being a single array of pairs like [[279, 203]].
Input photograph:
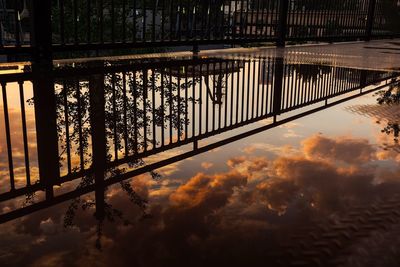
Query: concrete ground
[[373, 55]]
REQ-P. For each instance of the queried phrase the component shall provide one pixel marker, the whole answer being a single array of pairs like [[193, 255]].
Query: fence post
[[46, 128], [44, 94], [41, 32], [282, 23], [363, 78], [370, 19], [278, 86], [98, 132]]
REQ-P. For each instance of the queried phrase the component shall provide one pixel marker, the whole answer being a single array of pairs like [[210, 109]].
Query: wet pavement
[[245, 157]]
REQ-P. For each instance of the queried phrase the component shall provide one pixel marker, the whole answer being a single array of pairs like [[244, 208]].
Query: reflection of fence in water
[[141, 110]]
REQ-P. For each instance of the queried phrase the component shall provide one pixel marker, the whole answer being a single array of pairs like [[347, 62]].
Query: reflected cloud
[[343, 149], [248, 207], [212, 191], [286, 149], [207, 165]]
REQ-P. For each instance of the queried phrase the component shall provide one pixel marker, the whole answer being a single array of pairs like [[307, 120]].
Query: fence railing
[[62, 26], [99, 123]]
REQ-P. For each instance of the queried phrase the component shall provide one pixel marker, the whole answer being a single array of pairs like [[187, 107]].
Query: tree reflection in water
[[390, 97], [128, 115]]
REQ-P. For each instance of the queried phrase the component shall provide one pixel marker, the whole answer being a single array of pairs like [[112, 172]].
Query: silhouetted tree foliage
[[128, 111], [390, 96]]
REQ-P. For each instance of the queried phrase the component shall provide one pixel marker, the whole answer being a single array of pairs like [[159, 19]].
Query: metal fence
[[117, 24]]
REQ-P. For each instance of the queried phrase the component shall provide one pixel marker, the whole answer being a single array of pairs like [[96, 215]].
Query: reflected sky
[[235, 205]]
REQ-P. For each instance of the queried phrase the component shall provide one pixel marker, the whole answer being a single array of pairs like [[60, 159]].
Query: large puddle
[[200, 162]]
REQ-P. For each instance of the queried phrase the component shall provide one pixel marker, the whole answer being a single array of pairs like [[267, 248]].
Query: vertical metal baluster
[[202, 24], [310, 21], [209, 27], [24, 132], [257, 98], [298, 86], [243, 88], [80, 133], [162, 20], [272, 18], [222, 78], [144, 20], [267, 94], [8, 136], [75, 17], [226, 90], [115, 119], [145, 93], [171, 20], [193, 28], [171, 103], [238, 93], [248, 91], [318, 86], [135, 115], [283, 89], [134, 21], [153, 24], [247, 28], [207, 80], [286, 73], [263, 23], [292, 98], [17, 24], [179, 104], [188, 15], [258, 87], [324, 86], [222, 31], [62, 23], [194, 101], [232, 87], [153, 100], [241, 20], [124, 22], [213, 100], [101, 11], [125, 109], [302, 19], [162, 108], [262, 73], [257, 14], [186, 103], [89, 18], [66, 114], [235, 21], [253, 89], [180, 17], [201, 98], [229, 29]]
